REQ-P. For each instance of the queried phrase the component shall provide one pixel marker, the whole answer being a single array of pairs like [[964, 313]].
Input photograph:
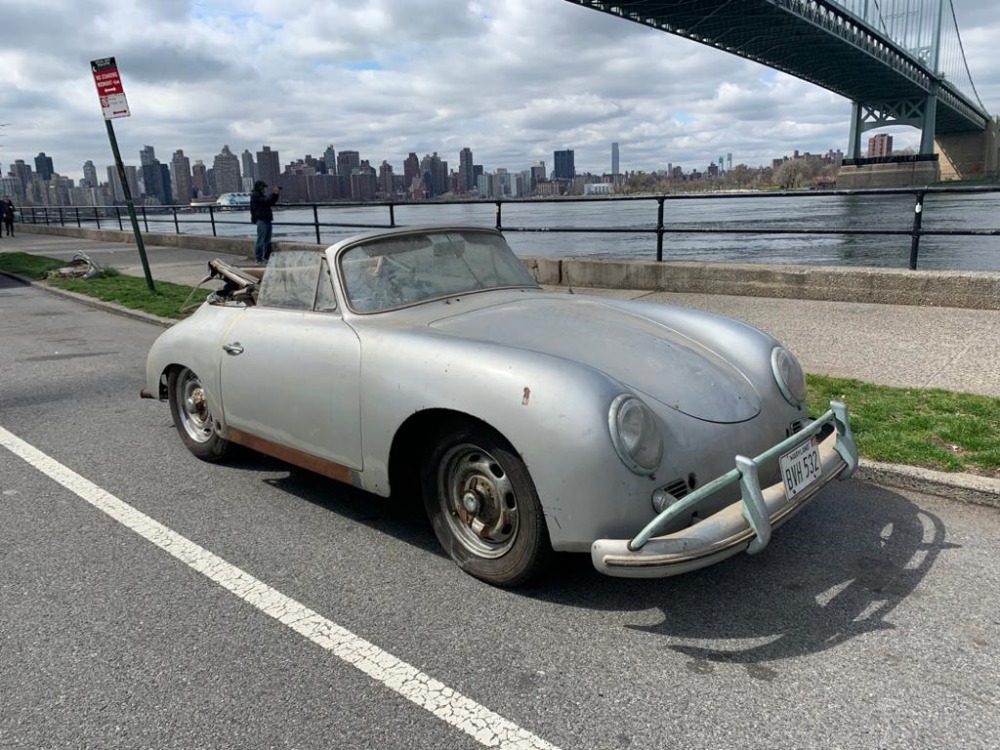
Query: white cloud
[[512, 79]]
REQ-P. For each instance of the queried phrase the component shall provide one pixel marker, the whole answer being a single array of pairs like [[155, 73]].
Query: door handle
[[233, 349]]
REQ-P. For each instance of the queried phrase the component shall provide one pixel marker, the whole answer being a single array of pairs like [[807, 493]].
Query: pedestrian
[[262, 216], [8, 216]]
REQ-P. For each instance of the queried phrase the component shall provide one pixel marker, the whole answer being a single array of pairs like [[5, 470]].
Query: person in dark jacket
[[262, 216], [8, 215]]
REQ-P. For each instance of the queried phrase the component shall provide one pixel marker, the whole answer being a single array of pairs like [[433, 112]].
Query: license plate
[[800, 467]]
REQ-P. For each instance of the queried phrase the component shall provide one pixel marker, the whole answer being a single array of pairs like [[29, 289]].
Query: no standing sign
[[109, 88]]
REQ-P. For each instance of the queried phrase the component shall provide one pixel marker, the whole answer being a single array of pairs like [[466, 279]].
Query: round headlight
[[789, 376], [635, 434]]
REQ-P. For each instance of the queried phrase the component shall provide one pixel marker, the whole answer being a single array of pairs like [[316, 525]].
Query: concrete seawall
[[970, 289]]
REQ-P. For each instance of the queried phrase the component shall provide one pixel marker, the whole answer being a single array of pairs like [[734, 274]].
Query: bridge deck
[[812, 41]]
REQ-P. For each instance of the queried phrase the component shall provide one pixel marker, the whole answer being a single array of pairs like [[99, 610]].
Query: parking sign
[[109, 88]]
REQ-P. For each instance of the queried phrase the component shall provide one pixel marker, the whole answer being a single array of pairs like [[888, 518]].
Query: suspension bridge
[[899, 62]]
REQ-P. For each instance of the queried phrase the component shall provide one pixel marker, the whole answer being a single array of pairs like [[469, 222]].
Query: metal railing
[[216, 215]]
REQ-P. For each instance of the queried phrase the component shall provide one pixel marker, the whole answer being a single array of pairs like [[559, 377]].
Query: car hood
[[639, 352]]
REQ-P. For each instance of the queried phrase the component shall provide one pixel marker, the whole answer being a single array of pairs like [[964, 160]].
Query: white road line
[[485, 726]]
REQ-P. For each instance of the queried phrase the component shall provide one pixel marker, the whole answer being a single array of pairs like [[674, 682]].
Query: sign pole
[[114, 104], [127, 192]]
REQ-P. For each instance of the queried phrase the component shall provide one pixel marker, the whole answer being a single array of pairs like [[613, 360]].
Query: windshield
[[401, 270]]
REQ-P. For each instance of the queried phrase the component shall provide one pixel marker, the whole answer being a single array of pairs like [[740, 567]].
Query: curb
[[112, 307], [965, 488]]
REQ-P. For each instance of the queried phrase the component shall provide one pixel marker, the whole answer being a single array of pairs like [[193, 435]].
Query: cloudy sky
[[513, 80]]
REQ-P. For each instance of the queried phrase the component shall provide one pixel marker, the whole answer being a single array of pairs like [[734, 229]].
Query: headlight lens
[[789, 376], [635, 434]]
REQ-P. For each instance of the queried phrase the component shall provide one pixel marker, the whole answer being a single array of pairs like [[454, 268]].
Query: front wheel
[[483, 506], [192, 416]]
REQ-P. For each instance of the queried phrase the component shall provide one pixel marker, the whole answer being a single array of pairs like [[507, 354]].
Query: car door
[[290, 373]]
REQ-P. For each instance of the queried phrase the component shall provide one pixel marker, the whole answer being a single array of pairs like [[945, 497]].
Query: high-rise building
[[466, 178], [249, 167], [199, 178], [614, 159], [132, 180], [156, 178], [564, 168], [268, 166], [347, 162], [89, 175], [23, 174], [537, 173], [880, 145], [227, 172], [411, 170], [43, 166], [147, 156], [385, 180], [181, 167], [364, 182], [115, 186], [435, 173], [330, 157]]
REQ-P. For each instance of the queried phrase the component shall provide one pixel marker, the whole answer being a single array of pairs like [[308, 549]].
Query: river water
[[869, 212]]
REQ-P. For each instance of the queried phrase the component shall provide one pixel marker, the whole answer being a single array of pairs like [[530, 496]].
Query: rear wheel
[[192, 416], [483, 506]]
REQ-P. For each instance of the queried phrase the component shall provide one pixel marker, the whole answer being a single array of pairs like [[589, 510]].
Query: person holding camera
[[262, 215]]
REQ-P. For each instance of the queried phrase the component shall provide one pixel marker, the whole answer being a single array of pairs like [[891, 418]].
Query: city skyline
[[181, 177], [514, 80]]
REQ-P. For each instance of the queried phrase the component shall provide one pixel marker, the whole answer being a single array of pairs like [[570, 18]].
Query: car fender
[[554, 413], [195, 343]]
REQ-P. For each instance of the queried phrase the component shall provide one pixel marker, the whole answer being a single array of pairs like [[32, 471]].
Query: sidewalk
[[954, 349]]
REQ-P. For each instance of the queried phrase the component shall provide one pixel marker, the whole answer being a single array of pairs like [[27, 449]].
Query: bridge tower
[[919, 113], [947, 157]]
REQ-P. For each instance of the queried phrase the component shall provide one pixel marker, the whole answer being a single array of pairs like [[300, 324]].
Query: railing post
[[118, 213], [499, 217], [659, 227], [392, 215], [211, 218], [97, 218], [177, 226], [145, 219], [918, 213], [62, 217], [316, 224], [76, 210]]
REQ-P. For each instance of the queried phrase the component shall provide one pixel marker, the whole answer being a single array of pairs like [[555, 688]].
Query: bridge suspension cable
[[922, 29]]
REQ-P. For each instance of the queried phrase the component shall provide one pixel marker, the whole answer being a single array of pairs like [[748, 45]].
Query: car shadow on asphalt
[[835, 571], [404, 519]]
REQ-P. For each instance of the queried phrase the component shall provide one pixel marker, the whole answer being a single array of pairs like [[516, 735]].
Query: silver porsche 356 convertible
[[428, 363]]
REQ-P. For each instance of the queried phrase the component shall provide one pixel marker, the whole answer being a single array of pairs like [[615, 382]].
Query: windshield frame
[[386, 271]]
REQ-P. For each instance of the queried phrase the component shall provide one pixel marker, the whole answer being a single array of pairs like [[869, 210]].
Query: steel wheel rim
[[478, 501], [192, 406]]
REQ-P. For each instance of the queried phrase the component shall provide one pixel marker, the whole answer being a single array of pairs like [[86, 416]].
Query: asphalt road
[[871, 621]]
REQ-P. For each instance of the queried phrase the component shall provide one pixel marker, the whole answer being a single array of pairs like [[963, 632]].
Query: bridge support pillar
[[970, 156], [928, 128], [857, 127]]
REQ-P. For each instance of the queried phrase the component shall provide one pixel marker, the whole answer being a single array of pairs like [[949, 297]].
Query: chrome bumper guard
[[746, 524]]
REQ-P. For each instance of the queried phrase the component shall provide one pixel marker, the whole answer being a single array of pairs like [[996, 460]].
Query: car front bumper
[[744, 525]]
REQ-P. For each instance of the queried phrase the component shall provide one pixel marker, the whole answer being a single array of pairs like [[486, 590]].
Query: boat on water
[[233, 200]]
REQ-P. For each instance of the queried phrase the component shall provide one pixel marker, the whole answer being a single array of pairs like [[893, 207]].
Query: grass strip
[[132, 292], [110, 286], [30, 266], [935, 429], [931, 428]]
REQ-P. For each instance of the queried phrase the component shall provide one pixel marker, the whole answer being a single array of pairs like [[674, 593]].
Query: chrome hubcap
[[194, 411], [478, 500]]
